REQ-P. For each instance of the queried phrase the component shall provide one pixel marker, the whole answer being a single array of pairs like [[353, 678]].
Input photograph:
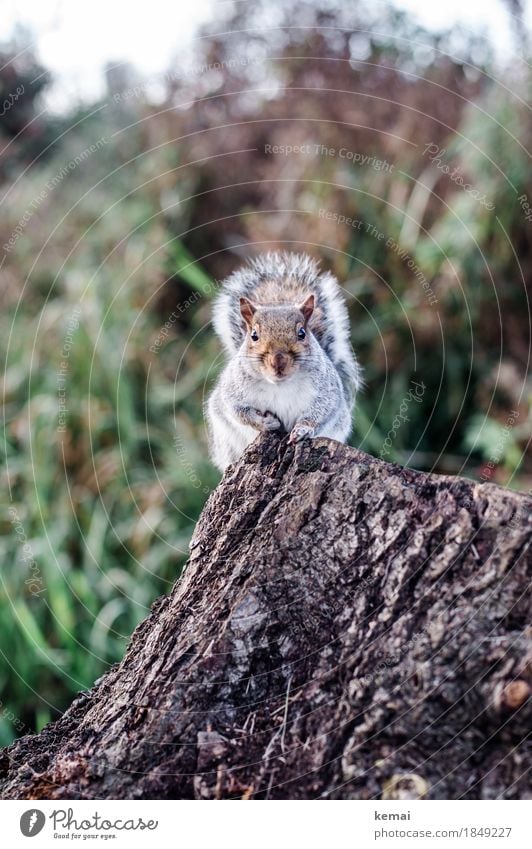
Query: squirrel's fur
[[284, 278], [285, 327]]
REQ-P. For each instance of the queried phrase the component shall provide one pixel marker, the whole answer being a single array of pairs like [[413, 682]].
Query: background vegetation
[[121, 216]]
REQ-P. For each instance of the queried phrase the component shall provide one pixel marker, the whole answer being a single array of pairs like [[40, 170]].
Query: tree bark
[[344, 628]]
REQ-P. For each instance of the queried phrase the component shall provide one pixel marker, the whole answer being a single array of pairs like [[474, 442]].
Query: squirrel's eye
[[301, 333], [254, 335]]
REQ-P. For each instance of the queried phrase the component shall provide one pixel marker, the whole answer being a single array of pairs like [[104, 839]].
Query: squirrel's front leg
[[304, 429], [254, 418]]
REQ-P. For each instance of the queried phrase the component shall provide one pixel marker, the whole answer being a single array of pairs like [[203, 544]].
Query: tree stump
[[344, 629]]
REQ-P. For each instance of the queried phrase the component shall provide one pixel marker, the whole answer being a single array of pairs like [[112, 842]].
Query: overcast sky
[[75, 39]]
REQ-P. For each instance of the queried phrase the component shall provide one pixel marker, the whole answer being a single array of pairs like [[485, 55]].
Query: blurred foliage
[[26, 132], [106, 286]]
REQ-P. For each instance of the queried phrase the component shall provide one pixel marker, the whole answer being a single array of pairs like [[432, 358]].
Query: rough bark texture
[[345, 628]]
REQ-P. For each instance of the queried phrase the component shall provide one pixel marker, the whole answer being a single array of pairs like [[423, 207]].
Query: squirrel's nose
[[280, 362]]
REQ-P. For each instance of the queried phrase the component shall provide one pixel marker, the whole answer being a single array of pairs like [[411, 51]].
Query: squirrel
[[285, 327]]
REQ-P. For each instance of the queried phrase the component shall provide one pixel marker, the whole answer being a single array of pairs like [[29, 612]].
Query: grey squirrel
[[285, 327]]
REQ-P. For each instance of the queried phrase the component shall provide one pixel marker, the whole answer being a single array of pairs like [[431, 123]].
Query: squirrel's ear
[[307, 307], [247, 310]]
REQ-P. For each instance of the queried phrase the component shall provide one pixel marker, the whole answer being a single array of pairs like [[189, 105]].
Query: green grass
[[107, 506]]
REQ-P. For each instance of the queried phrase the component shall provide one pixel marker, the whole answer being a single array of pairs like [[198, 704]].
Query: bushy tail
[[284, 278]]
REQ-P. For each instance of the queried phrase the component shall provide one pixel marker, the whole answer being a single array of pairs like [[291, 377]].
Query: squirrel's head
[[277, 337]]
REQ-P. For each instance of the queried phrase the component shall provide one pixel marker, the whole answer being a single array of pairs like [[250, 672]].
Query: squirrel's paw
[[300, 432], [269, 421]]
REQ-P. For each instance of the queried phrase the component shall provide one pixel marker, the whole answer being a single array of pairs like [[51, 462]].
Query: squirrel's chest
[[289, 401]]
